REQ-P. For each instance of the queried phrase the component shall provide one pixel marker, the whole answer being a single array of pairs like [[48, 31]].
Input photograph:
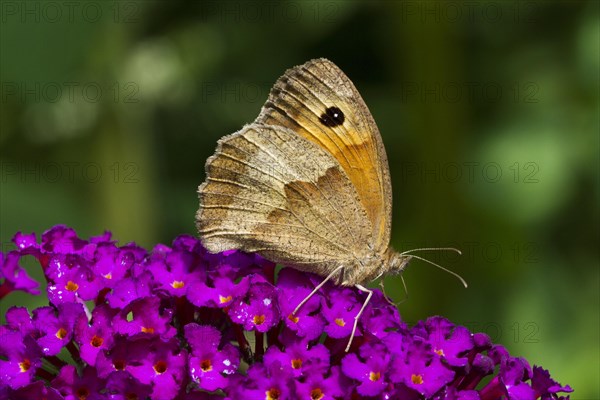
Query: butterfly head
[[396, 262]]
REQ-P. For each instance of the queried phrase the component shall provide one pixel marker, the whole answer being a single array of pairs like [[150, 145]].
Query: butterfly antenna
[[433, 249], [460, 278]]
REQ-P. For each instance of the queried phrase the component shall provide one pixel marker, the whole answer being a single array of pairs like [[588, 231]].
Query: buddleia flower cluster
[[178, 322]]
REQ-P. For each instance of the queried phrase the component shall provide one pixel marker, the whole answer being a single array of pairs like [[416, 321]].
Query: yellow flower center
[[374, 376], [177, 284], [24, 365], [417, 379], [224, 299], [96, 341], [272, 394], [339, 322], [61, 333], [258, 319], [316, 394], [206, 365], [160, 367]]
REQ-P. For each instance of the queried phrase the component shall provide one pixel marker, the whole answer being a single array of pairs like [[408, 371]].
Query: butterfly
[[306, 185]]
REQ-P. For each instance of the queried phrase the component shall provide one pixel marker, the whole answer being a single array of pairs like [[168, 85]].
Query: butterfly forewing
[[269, 190], [318, 102]]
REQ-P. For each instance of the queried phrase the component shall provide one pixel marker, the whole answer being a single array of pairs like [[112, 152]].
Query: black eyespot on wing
[[332, 117]]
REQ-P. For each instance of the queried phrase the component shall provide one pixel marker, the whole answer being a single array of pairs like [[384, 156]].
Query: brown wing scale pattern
[[262, 195]]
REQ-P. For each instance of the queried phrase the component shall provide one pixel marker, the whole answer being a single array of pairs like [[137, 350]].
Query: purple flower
[[209, 366], [73, 386], [265, 382], [544, 386], [156, 364], [339, 311], [300, 358], [54, 327], [71, 279], [20, 357], [422, 370], [371, 371], [35, 390], [180, 323], [450, 342], [96, 335], [308, 322], [176, 272], [112, 263], [129, 289], [222, 294], [380, 318], [122, 385], [145, 317], [14, 277], [259, 310], [64, 240], [323, 386], [24, 241]]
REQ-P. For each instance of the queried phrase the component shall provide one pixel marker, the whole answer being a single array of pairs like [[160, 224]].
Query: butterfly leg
[[385, 296], [370, 293], [316, 289], [405, 291]]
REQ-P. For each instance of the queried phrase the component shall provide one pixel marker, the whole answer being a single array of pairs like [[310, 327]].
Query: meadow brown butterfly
[[306, 185]]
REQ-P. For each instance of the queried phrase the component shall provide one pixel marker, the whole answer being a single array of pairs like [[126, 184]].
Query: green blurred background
[[488, 110]]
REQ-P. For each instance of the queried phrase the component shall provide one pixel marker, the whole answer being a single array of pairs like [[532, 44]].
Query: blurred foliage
[[488, 110]]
